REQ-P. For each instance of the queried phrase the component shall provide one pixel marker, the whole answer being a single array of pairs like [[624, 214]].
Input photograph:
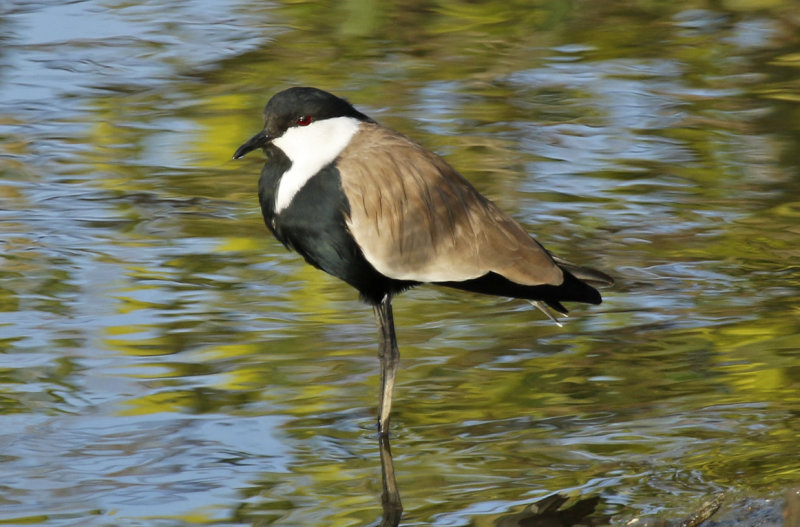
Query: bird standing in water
[[369, 206]]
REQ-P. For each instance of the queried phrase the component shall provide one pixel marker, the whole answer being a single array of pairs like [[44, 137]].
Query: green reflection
[[657, 139]]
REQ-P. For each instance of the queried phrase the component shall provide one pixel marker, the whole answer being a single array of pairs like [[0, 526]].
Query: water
[[165, 362]]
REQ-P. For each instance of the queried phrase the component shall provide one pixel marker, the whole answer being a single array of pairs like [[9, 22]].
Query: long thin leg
[[390, 497], [389, 356]]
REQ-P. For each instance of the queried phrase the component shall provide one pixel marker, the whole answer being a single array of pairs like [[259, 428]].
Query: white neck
[[310, 148]]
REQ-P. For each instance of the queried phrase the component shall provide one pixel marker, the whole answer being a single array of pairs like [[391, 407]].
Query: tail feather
[[578, 286], [570, 290], [588, 275]]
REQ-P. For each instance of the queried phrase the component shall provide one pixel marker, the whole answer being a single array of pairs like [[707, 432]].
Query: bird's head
[[297, 108]]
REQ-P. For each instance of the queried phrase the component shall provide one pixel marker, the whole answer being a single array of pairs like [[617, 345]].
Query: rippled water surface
[[164, 361]]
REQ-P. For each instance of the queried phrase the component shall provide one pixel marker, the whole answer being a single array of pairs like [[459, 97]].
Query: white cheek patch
[[310, 148]]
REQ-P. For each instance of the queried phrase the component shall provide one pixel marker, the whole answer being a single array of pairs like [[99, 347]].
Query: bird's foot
[[541, 306]]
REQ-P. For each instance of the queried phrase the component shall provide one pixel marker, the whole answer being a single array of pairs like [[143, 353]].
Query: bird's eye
[[304, 120]]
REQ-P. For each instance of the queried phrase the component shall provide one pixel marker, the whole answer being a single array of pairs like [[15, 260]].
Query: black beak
[[257, 141]]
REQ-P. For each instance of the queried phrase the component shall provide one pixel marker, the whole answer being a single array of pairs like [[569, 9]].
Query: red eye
[[304, 120]]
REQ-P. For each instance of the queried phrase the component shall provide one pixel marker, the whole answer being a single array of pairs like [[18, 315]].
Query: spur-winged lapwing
[[373, 208]]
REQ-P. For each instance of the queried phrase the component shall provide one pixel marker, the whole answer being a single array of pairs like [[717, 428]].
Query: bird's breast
[[309, 149]]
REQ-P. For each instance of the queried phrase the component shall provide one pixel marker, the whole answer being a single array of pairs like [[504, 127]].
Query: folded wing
[[415, 218]]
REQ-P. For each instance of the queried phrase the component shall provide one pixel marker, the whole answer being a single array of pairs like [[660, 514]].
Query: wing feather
[[415, 218]]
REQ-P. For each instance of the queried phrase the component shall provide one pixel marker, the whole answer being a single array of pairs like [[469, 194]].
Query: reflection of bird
[[547, 512], [369, 206]]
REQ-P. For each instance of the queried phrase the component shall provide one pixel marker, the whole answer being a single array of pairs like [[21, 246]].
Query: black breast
[[314, 225]]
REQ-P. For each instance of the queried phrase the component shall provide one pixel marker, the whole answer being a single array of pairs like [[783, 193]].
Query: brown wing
[[416, 218]]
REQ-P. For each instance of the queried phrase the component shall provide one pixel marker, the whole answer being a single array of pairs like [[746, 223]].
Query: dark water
[[163, 361]]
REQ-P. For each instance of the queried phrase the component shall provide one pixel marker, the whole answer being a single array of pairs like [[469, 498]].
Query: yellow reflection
[[233, 244], [176, 401], [228, 121]]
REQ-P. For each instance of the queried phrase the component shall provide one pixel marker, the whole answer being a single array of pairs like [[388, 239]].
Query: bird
[[377, 210]]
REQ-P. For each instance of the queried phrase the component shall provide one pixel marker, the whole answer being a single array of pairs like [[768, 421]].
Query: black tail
[[591, 276], [570, 290]]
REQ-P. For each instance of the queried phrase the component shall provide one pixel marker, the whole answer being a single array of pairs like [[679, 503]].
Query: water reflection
[[163, 360], [390, 495], [544, 512]]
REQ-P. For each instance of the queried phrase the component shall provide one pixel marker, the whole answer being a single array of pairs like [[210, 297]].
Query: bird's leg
[[389, 356]]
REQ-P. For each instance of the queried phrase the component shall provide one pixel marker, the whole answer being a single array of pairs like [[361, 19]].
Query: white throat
[[310, 148]]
